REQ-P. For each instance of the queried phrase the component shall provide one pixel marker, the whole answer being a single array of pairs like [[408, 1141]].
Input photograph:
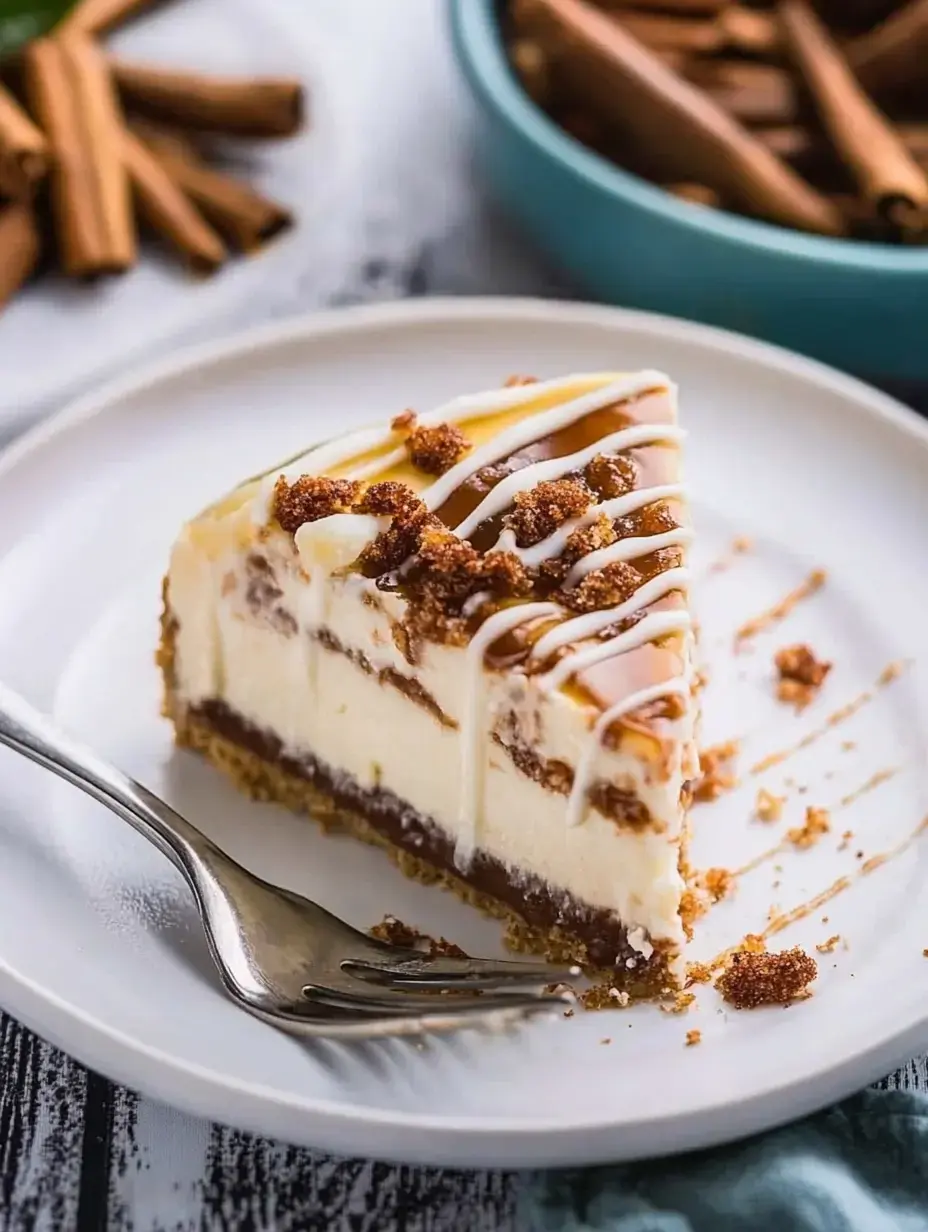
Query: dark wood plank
[[41, 1131]]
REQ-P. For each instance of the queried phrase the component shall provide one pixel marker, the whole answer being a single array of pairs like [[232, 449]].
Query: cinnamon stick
[[71, 93], [696, 139], [99, 16], [695, 194], [694, 8], [239, 106], [796, 143], [23, 150], [666, 33], [894, 55], [242, 215], [864, 138], [752, 93], [20, 245], [166, 208]]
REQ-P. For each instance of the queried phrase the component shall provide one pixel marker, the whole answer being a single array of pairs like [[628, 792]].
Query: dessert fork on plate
[[281, 957]]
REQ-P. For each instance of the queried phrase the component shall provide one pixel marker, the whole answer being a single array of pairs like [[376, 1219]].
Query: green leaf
[[22, 20]]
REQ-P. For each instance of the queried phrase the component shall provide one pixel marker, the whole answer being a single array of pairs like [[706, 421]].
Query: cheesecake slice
[[466, 637]]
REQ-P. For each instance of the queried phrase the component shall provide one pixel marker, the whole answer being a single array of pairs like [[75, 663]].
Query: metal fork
[[281, 957]]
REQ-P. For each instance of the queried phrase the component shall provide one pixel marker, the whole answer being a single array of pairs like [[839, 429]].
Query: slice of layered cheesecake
[[466, 636]]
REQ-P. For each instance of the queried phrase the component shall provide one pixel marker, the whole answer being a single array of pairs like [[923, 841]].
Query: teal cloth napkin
[[862, 1166]]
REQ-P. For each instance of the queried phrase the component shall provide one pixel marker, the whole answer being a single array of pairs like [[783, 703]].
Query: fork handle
[[25, 730]]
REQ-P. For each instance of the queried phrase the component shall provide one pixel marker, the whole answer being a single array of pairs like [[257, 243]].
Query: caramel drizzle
[[781, 610], [886, 676]]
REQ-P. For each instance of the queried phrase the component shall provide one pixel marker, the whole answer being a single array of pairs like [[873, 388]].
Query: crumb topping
[[309, 498], [606, 587], [826, 947], [817, 823], [395, 932], [387, 498], [436, 449], [404, 422], [610, 476], [800, 675], [693, 1037], [538, 513], [716, 776], [680, 1004], [698, 973], [767, 806], [755, 979]]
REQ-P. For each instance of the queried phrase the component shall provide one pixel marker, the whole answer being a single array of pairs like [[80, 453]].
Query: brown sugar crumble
[[716, 776], [800, 675], [540, 511], [753, 980], [436, 449], [693, 1037], [826, 947], [395, 932], [310, 498], [610, 476], [767, 806], [817, 823], [718, 883], [698, 973], [606, 587], [845, 840], [603, 997], [680, 1004]]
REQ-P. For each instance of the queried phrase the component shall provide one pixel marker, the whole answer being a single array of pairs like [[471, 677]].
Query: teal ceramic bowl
[[862, 307]]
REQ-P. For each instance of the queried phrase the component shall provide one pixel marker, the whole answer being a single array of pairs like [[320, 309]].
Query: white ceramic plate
[[100, 949], [93, 329]]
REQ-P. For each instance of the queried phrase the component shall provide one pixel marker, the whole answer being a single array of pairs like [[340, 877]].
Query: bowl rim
[[476, 38]]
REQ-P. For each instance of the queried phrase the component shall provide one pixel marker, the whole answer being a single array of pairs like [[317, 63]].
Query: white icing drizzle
[[627, 549], [617, 507], [651, 627], [342, 449], [590, 623], [583, 774], [501, 496], [535, 427], [471, 719]]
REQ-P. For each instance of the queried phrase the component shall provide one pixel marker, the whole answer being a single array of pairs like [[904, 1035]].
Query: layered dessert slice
[[465, 636]]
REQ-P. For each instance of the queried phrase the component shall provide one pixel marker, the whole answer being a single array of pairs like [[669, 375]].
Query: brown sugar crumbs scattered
[[603, 997], [925, 953], [538, 512], [752, 980], [698, 973], [800, 674], [693, 1037], [767, 806], [817, 823], [435, 450], [781, 610], [826, 947], [718, 883], [395, 932], [845, 840], [310, 498], [716, 776], [680, 1004]]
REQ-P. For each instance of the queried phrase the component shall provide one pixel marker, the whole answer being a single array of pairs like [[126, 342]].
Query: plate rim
[[421, 1137]]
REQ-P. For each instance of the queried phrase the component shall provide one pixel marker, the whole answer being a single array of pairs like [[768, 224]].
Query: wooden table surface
[[77, 1151]]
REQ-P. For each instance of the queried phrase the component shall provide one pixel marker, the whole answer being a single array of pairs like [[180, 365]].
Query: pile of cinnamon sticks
[[93, 147], [809, 113]]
